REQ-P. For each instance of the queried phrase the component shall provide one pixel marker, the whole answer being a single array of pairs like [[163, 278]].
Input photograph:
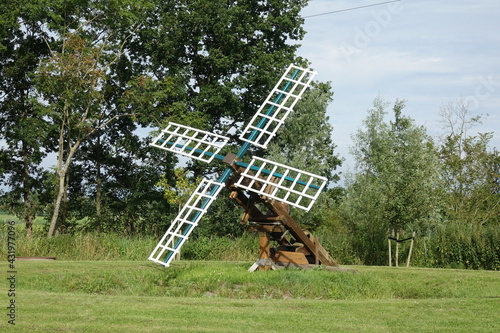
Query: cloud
[[429, 52]]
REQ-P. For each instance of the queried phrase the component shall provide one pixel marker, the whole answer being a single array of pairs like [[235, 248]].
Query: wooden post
[[316, 256], [397, 250], [264, 251], [411, 248], [390, 248]]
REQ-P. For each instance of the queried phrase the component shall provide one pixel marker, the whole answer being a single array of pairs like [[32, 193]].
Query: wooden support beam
[[288, 257], [268, 228], [248, 205], [278, 212], [296, 231], [265, 250]]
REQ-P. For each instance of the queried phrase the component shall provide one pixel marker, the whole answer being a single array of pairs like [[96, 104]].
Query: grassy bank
[[189, 296], [231, 280]]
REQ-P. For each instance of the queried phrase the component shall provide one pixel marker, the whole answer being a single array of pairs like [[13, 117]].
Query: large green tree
[[77, 82], [226, 53], [469, 234], [396, 185], [227, 65], [72, 82], [23, 129]]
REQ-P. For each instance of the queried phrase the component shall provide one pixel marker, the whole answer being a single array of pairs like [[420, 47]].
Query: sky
[[426, 52]]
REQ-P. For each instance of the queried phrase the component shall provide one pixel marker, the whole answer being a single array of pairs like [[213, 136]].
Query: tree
[[178, 193], [470, 168], [470, 171], [305, 140], [227, 65], [397, 180], [55, 34], [22, 45], [71, 82]]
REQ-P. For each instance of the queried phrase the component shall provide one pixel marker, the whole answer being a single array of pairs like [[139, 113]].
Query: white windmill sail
[[277, 106], [185, 222], [283, 183], [190, 142]]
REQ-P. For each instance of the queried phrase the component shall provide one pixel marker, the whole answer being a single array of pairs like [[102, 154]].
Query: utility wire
[[353, 8]]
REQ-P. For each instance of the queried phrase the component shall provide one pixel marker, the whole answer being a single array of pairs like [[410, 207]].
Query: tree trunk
[[27, 214], [57, 206], [411, 249], [390, 248], [62, 172], [63, 210], [98, 198], [397, 250]]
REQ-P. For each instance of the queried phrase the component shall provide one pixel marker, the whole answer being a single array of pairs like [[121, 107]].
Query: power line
[[353, 8]]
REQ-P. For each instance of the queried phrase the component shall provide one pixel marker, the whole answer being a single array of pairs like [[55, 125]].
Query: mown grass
[[54, 312], [134, 296], [232, 280]]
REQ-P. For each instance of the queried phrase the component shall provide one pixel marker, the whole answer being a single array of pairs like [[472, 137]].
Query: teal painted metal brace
[[243, 164]]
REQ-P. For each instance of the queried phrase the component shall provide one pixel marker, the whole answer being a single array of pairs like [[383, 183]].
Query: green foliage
[[305, 143], [397, 184], [465, 246], [244, 248], [80, 246], [24, 131], [179, 193], [471, 172], [451, 246], [227, 64], [80, 76], [223, 219]]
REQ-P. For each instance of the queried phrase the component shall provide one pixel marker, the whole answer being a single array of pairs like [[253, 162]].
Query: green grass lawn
[[100, 296]]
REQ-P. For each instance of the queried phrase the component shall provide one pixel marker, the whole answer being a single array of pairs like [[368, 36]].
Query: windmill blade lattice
[[282, 183], [190, 142], [278, 105], [184, 223]]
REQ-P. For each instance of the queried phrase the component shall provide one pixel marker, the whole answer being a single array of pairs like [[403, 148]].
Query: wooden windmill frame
[[264, 189]]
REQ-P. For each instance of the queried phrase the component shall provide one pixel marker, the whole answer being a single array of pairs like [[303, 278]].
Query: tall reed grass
[[109, 246], [450, 246]]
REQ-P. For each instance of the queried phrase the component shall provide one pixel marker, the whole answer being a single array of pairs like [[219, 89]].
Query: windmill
[[264, 189]]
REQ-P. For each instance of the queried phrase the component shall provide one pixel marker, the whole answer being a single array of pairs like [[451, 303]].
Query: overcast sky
[[426, 52]]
